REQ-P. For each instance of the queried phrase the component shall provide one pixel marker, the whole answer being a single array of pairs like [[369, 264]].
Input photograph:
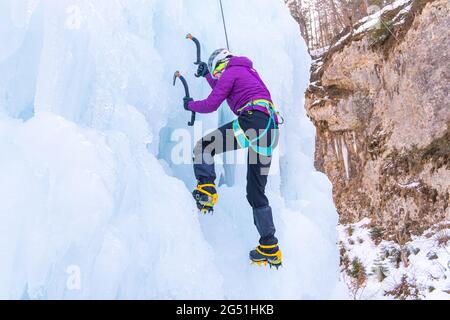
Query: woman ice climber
[[234, 79]]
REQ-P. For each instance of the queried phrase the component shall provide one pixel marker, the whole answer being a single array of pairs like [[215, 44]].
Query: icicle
[[355, 148], [345, 157], [336, 148]]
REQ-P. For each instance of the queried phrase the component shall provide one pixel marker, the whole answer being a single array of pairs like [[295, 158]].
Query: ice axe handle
[[199, 51], [197, 44], [176, 76], [191, 124]]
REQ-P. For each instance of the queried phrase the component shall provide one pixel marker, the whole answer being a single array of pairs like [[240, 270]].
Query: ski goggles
[[219, 69]]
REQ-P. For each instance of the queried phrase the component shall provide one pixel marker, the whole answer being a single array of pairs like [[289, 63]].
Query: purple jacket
[[239, 84]]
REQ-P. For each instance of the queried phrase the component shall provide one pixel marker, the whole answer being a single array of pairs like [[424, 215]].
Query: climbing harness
[[244, 141], [265, 104]]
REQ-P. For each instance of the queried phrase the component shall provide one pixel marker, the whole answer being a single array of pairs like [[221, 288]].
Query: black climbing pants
[[253, 123]]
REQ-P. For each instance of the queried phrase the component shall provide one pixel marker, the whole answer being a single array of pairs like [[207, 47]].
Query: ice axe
[[199, 50], [176, 76]]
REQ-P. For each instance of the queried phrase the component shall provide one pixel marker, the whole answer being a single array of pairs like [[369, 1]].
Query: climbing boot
[[267, 255], [206, 197]]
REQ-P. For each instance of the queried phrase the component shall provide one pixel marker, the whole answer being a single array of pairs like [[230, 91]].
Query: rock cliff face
[[379, 99]]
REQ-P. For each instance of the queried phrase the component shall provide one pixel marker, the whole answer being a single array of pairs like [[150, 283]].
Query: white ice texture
[[92, 202]]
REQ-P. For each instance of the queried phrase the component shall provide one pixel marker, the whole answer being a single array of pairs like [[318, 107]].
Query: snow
[[427, 268], [404, 11], [94, 200], [389, 7], [370, 22], [373, 20], [411, 185], [319, 51], [341, 40]]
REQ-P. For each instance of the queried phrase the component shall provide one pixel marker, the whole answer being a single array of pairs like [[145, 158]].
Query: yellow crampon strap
[[268, 247], [277, 262], [276, 254], [214, 197]]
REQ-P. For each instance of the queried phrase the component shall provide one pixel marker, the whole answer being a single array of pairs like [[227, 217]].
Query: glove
[[186, 101], [202, 70]]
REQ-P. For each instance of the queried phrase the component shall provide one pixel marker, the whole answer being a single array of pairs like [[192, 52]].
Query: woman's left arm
[[221, 91]]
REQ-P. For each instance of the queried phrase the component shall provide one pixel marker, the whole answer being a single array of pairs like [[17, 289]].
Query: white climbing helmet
[[218, 56]]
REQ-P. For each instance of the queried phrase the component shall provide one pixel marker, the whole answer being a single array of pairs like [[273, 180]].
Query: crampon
[[206, 197], [267, 255]]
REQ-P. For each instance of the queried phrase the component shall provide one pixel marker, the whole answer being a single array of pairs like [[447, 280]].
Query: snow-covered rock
[[379, 101], [378, 269]]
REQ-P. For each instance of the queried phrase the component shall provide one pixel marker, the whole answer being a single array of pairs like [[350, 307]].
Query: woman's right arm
[[221, 91], [212, 82]]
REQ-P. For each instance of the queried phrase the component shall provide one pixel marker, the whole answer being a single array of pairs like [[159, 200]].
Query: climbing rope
[[224, 25]]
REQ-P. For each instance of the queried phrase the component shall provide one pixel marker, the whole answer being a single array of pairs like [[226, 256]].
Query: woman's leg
[[223, 140], [256, 185], [258, 166], [217, 142]]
